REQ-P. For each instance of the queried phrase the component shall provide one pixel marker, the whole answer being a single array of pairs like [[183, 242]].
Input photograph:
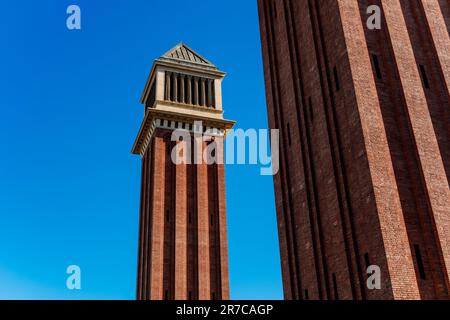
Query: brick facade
[[364, 118]]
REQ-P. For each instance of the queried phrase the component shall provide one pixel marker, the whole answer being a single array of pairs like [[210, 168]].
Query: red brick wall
[[182, 240], [351, 185]]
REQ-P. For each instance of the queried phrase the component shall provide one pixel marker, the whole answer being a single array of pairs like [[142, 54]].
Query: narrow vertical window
[[376, 65], [366, 259], [166, 295], [289, 133], [335, 288], [211, 219], [190, 217], [167, 216], [419, 261], [424, 76], [213, 296], [306, 294], [336, 79], [190, 295]]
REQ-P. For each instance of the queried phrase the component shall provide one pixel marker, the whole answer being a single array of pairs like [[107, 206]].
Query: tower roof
[[181, 53], [182, 58]]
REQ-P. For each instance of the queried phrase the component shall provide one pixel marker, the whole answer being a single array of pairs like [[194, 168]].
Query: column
[[175, 87], [160, 86], [157, 227], [141, 275], [168, 77], [203, 92], [147, 243], [196, 91], [182, 78], [189, 90], [204, 291], [218, 94], [181, 212], [223, 241]]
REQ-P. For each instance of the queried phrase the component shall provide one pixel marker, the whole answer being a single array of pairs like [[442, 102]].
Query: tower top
[[182, 59], [183, 88]]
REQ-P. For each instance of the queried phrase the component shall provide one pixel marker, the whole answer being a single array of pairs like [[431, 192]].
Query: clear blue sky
[[69, 187]]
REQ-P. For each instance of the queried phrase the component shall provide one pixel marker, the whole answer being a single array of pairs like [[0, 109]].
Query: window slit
[[419, 261], [424, 76], [336, 79], [376, 64]]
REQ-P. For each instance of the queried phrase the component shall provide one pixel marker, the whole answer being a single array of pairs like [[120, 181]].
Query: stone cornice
[[153, 116]]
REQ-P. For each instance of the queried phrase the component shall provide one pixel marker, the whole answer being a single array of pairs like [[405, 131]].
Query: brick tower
[[364, 118], [182, 234]]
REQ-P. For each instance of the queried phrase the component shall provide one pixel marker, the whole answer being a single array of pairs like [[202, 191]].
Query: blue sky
[[69, 187]]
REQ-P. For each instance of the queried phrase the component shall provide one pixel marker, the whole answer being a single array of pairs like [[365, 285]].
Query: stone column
[[203, 92], [196, 91], [168, 77], [160, 79], [182, 78], [175, 87], [218, 94], [189, 90]]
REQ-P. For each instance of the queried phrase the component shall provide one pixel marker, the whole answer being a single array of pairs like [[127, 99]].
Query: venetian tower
[[182, 230]]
